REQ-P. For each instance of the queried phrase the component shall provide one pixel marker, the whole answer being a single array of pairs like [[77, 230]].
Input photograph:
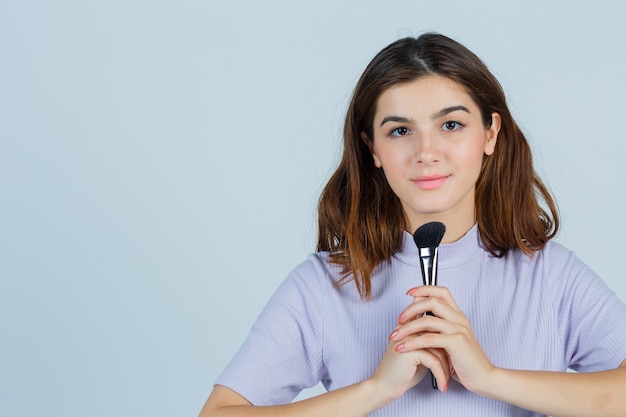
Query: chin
[[432, 210]]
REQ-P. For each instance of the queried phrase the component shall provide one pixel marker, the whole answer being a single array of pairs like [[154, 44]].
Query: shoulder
[[554, 269], [590, 318], [569, 280], [557, 256], [315, 270], [309, 283], [562, 267], [553, 260]]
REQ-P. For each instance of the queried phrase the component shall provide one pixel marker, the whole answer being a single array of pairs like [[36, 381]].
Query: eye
[[451, 126], [400, 131]]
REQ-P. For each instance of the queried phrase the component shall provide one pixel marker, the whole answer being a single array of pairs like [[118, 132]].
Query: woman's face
[[429, 139]]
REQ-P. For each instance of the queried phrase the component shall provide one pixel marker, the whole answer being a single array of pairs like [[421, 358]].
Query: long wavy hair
[[360, 219]]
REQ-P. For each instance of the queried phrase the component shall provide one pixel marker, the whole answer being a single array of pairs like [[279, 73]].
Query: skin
[[431, 128], [429, 140]]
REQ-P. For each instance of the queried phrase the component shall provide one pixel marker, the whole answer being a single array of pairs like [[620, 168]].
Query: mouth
[[430, 182]]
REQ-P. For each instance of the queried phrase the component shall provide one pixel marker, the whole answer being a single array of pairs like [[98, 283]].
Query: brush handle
[[433, 380], [428, 264]]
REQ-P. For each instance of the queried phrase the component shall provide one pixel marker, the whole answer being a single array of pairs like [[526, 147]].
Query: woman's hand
[[401, 370], [448, 329]]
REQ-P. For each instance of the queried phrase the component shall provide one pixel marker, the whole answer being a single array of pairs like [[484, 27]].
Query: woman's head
[[408, 59], [360, 217], [430, 141]]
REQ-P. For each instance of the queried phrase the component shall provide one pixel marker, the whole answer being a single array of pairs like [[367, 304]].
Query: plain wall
[[160, 164]]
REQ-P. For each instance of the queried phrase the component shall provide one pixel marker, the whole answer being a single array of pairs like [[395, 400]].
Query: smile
[[430, 182]]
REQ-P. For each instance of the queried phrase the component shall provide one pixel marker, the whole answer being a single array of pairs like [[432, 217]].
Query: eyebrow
[[435, 116], [449, 110], [398, 119]]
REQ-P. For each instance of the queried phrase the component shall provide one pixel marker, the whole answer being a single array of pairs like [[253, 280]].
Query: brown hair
[[360, 219]]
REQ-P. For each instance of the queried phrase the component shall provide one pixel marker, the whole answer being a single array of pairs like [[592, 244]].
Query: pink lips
[[430, 182]]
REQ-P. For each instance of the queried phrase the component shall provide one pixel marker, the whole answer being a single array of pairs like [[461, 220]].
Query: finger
[[453, 343], [437, 364], [437, 360], [445, 362], [436, 306], [423, 324], [454, 375], [434, 291]]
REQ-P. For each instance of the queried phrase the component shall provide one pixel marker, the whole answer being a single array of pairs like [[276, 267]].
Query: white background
[[160, 164]]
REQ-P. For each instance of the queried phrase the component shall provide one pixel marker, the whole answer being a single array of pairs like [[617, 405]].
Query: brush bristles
[[429, 235]]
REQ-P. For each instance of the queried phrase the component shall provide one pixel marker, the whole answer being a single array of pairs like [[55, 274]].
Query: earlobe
[[492, 133], [370, 145], [377, 162]]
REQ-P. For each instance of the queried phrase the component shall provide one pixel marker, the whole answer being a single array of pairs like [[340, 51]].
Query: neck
[[456, 232], [455, 228]]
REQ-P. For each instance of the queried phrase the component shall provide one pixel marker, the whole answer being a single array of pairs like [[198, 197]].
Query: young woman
[[429, 137]]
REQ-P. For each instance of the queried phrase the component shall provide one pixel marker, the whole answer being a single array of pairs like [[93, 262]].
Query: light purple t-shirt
[[549, 312]]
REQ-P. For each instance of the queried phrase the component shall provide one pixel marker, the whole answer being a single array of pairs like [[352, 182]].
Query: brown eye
[[400, 131], [452, 126]]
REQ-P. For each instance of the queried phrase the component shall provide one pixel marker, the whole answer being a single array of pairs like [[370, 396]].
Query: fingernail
[[411, 291], [400, 347], [401, 318], [393, 335]]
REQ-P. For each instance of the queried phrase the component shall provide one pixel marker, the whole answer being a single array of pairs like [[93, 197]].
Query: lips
[[430, 182]]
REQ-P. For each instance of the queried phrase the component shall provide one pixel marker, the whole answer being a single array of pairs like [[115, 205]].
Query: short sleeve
[[283, 352], [591, 319]]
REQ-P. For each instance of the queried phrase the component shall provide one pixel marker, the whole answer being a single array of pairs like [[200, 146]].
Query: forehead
[[423, 96]]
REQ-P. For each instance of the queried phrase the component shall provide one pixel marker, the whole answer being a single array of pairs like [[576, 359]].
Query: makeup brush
[[427, 238]]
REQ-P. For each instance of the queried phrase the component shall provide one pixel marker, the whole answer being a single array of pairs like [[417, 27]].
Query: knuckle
[[429, 338]]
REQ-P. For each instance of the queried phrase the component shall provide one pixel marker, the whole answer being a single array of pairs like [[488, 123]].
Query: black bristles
[[429, 235]]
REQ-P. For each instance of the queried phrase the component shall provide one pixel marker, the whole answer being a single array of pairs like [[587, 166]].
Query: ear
[[370, 145], [491, 134]]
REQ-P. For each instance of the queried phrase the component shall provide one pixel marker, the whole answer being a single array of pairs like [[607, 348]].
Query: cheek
[[469, 158], [389, 156]]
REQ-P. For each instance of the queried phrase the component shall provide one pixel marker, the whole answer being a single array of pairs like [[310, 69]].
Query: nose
[[428, 152]]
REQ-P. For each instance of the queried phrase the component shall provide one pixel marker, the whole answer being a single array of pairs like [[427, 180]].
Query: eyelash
[[395, 132], [457, 125]]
